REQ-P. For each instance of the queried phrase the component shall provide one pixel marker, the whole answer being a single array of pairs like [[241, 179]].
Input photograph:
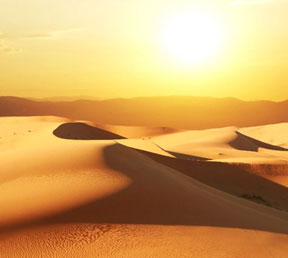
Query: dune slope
[[131, 198]]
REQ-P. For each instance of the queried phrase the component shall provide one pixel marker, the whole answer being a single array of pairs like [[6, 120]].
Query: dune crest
[[85, 191], [82, 131]]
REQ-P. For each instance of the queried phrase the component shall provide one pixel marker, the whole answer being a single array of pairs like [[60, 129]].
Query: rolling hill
[[175, 111]]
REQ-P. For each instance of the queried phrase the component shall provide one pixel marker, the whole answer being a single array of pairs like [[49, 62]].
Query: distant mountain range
[[178, 112]]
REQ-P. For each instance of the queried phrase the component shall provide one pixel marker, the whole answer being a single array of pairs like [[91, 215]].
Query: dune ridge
[[82, 131], [92, 192]]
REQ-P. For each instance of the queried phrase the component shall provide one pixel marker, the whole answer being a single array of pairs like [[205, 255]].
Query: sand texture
[[81, 189]]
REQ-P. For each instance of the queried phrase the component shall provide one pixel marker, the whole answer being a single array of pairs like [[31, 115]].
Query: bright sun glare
[[192, 37]]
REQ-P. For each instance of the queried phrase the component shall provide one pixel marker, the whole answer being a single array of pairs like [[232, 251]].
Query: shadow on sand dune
[[186, 156], [246, 143], [236, 179], [82, 131], [161, 195], [179, 155]]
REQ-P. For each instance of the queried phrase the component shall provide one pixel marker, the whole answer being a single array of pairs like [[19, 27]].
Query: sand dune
[[230, 145], [170, 194], [273, 134], [237, 179], [217, 144], [82, 131], [137, 131]]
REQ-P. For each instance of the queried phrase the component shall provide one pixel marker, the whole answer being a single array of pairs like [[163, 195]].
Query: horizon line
[[95, 98]]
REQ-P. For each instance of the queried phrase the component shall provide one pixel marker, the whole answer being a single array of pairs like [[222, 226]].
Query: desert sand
[[79, 189]]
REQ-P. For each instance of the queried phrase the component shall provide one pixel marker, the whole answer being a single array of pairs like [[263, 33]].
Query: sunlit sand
[[143, 129], [149, 192]]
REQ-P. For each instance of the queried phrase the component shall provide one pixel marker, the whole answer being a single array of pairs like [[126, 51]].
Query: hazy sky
[[113, 48]]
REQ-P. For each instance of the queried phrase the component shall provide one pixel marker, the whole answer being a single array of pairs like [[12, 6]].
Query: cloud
[[4, 48], [49, 34], [36, 35], [8, 50], [11, 37]]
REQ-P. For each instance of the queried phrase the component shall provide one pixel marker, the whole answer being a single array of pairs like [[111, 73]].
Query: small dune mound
[[82, 131]]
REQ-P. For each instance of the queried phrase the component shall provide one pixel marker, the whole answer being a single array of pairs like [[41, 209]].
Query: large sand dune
[[85, 191]]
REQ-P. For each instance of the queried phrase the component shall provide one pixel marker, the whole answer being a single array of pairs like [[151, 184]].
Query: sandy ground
[[78, 189]]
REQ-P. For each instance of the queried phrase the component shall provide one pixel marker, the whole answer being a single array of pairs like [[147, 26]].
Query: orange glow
[[144, 48]]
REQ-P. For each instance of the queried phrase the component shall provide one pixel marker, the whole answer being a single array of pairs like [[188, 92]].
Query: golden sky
[[115, 48]]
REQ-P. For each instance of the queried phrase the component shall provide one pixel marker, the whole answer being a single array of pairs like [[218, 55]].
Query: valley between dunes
[[79, 189]]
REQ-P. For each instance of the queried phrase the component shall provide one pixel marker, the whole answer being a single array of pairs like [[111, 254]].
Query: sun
[[192, 37]]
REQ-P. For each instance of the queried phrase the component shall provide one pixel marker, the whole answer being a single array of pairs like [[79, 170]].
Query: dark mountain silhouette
[[176, 111]]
